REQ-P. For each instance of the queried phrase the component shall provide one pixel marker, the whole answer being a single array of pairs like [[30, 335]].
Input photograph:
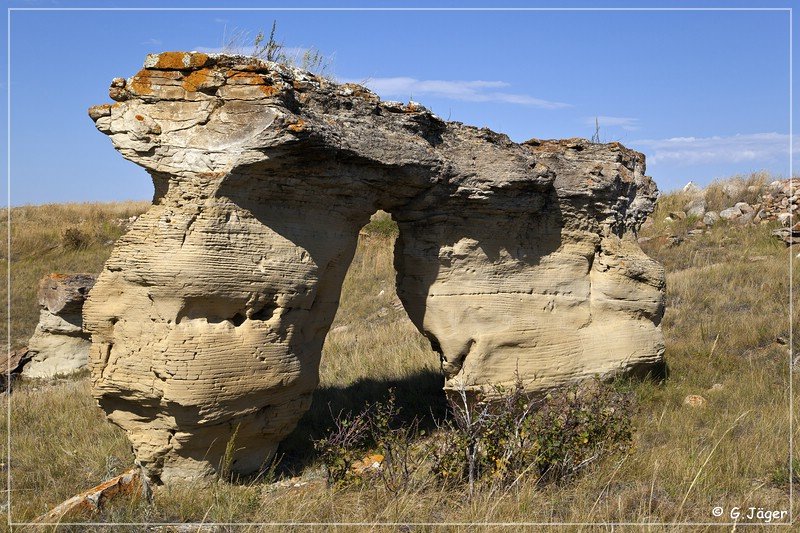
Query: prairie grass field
[[726, 329]]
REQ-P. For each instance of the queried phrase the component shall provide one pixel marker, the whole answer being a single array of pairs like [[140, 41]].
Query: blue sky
[[704, 94]]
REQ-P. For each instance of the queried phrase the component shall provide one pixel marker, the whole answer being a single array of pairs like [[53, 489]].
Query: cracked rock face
[[209, 318]]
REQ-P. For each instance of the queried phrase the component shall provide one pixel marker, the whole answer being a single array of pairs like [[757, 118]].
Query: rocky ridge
[[776, 201]]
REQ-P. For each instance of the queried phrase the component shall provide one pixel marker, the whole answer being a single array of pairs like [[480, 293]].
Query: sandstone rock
[[11, 365], [730, 213], [775, 186], [695, 208], [91, 501], [746, 218], [744, 207], [59, 346], [210, 315], [710, 218], [733, 188]]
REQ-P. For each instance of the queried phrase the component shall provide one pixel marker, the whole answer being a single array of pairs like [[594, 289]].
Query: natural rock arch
[[210, 315]]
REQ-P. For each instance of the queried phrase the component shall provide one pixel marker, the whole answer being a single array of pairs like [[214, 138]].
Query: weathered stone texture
[[210, 315], [59, 346]]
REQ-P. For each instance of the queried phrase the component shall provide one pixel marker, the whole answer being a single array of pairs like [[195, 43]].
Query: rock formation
[[208, 320], [59, 346]]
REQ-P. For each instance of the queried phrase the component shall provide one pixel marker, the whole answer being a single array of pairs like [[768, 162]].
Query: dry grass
[[65, 238], [727, 306]]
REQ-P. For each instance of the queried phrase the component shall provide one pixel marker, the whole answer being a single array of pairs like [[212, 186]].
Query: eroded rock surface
[[59, 346], [209, 318]]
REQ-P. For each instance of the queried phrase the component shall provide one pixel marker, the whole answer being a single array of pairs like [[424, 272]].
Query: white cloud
[[737, 148], [626, 123], [468, 91], [152, 42]]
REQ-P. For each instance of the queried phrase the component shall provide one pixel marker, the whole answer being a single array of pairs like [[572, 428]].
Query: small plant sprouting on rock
[[596, 135], [272, 49]]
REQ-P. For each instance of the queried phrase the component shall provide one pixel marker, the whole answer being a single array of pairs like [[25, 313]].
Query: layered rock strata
[[59, 346], [207, 322]]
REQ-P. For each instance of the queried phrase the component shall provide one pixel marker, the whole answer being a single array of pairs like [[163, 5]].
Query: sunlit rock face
[[515, 260]]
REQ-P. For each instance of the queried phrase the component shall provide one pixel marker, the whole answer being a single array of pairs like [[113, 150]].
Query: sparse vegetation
[[65, 238], [272, 49], [550, 439], [726, 326]]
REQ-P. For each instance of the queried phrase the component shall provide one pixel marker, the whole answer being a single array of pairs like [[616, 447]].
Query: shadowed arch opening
[[372, 347]]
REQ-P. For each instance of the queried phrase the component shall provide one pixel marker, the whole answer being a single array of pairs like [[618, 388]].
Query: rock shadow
[[419, 395]]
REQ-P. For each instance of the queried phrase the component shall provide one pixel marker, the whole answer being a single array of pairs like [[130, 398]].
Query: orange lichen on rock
[[196, 79], [98, 111], [298, 126], [140, 83], [269, 90], [181, 60], [245, 78]]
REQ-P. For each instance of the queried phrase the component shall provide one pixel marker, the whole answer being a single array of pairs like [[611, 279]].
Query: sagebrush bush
[[514, 433], [497, 440], [377, 428], [345, 444]]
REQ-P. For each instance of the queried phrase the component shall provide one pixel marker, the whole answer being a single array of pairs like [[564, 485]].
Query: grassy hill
[[726, 329]]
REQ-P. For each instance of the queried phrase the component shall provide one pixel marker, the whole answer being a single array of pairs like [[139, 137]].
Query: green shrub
[[345, 444], [513, 433], [373, 433]]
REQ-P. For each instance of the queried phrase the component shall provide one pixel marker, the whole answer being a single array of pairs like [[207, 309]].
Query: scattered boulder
[[517, 261], [710, 218], [11, 365], [59, 345], [695, 208], [730, 213], [746, 218], [733, 188], [779, 200], [129, 484]]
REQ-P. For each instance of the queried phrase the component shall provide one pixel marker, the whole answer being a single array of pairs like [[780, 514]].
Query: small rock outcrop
[[514, 260], [59, 346]]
